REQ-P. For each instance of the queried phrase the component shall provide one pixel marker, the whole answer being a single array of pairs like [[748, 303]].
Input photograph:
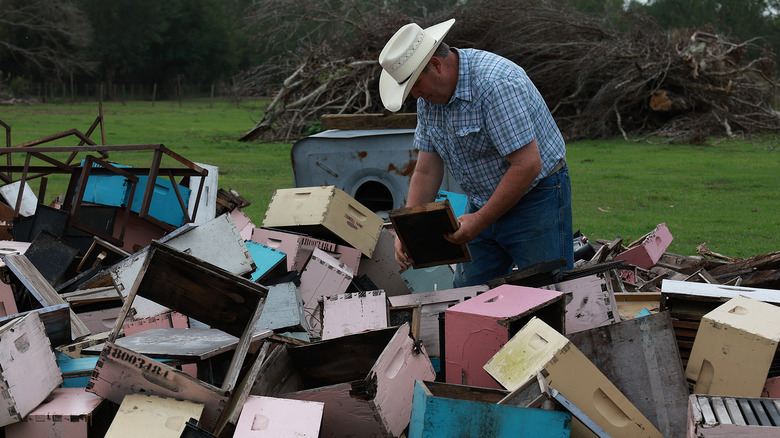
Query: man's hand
[[400, 256], [470, 226]]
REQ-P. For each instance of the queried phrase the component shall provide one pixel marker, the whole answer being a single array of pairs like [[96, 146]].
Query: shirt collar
[[463, 88]]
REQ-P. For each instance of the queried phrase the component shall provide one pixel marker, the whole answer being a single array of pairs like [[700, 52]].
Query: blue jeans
[[537, 229]]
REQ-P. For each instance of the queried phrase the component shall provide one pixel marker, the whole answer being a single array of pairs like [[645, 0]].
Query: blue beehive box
[[164, 206], [458, 201], [448, 410], [111, 190], [265, 258]]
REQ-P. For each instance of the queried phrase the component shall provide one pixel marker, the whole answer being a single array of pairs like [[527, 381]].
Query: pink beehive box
[[477, 328], [67, 412], [271, 417], [646, 254], [299, 247], [243, 223], [322, 276]]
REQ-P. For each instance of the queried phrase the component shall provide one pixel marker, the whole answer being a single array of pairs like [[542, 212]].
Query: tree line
[[199, 43]]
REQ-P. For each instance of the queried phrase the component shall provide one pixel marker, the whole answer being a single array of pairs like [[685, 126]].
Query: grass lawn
[[726, 194]]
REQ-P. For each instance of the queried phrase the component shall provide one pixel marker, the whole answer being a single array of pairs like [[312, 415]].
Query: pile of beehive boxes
[[304, 326]]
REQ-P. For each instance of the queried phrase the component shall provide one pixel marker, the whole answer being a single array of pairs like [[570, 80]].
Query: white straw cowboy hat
[[403, 59]]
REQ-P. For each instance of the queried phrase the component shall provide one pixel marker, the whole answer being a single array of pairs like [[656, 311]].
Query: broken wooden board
[[40, 288], [28, 367], [421, 230], [120, 372], [640, 357], [56, 320], [201, 291], [183, 344]]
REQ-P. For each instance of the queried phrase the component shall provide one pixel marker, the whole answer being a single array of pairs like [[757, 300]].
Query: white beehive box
[[29, 368]]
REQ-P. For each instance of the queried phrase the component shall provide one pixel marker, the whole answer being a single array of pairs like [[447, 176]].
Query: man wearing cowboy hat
[[480, 115]]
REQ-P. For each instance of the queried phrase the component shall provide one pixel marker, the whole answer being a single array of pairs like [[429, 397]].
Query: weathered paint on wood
[[279, 418], [28, 367], [68, 412], [148, 415], [539, 347], [120, 372], [217, 242], [323, 276], [431, 304], [589, 303], [166, 320], [368, 394], [462, 411], [42, 290], [640, 357], [734, 348], [477, 328], [647, 252], [349, 313], [325, 212], [283, 310]]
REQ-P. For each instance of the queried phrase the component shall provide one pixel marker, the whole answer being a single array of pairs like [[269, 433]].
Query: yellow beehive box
[[538, 347], [325, 212], [734, 348]]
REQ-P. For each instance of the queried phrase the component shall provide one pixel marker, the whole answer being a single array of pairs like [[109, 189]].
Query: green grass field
[[726, 194]]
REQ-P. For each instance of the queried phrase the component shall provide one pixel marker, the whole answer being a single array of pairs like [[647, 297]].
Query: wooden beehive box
[[688, 302], [734, 348], [421, 230], [67, 412], [477, 328], [28, 367], [353, 312], [325, 212], [744, 417], [448, 410], [539, 348], [366, 380]]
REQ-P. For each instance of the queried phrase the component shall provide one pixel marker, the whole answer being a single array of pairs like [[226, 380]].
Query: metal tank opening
[[375, 196]]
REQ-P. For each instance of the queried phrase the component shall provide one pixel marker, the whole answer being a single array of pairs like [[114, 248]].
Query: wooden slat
[[761, 414], [771, 411], [40, 288], [706, 411], [719, 408], [747, 411], [734, 411]]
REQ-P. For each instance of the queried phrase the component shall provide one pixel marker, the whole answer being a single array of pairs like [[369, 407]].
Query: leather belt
[[558, 166]]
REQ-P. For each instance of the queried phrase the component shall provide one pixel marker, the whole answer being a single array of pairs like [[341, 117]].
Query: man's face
[[431, 86]]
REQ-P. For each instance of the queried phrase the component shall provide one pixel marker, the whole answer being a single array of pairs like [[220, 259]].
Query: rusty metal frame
[[81, 173]]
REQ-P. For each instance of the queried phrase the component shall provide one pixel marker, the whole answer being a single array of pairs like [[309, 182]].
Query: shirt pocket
[[471, 140]]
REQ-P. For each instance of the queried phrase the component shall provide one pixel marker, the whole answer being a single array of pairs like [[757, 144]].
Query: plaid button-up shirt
[[495, 110]]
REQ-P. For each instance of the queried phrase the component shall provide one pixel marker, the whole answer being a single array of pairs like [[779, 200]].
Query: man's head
[[403, 59]]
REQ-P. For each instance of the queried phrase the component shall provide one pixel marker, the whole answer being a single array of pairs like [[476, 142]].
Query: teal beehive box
[[442, 410]]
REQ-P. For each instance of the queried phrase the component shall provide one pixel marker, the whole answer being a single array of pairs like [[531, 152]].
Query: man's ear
[[436, 64]]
